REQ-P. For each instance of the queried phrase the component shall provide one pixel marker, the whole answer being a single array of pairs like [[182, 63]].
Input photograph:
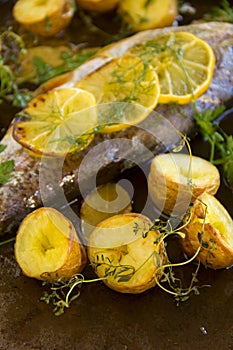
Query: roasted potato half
[[211, 227], [47, 246], [175, 180], [45, 18], [126, 253], [141, 15], [103, 202]]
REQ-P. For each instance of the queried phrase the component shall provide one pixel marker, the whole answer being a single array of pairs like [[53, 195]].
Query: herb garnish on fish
[[221, 151], [6, 168]]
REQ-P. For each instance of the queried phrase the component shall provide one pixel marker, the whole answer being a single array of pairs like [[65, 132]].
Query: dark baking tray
[[101, 319]]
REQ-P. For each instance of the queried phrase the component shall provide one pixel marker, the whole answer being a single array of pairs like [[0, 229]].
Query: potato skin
[[168, 181], [216, 249], [47, 25], [141, 251], [138, 17], [33, 237], [74, 264]]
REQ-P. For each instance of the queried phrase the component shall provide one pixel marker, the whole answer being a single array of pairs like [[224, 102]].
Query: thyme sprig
[[120, 272], [222, 13], [175, 285], [6, 241], [221, 144], [80, 141], [62, 292], [6, 167]]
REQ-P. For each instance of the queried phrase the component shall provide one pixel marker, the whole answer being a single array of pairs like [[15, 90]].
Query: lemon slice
[[58, 122], [184, 64], [127, 80]]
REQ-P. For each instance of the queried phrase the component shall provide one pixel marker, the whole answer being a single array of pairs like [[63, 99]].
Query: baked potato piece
[[97, 5], [102, 203], [48, 54], [141, 15], [175, 180], [211, 227], [47, 246], [44, 17], [126, 253]]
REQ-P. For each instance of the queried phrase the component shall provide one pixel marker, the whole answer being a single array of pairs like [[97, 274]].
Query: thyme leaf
[[122, 273], [2, 147], [6, 169], [221, 144], [62, 293]]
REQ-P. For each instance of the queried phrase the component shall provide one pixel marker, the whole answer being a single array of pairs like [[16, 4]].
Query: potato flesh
[[117, 240], [105, 201], [47, 246], [45, 249], [215, 226], [181, 167], [141, 17], [37, 10], [175, 180], [219, 218], [44, 256], [45, 18], [119, 231]]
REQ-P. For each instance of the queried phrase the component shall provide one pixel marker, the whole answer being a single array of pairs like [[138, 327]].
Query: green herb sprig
[[6, 168], [62, 292], [222, 13], [221, 144], [121, 273]]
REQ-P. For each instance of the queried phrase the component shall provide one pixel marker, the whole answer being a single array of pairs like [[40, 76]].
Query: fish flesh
[[55, 181]]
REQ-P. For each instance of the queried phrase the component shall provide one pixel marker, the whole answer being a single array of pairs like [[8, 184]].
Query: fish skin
[[25, 192]]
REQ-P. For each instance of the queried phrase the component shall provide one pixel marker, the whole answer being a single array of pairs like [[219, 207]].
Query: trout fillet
[[36, 182]]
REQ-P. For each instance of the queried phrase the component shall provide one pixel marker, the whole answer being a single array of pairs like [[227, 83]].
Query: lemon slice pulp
[[184, 64], [129, 81], [58, 122]]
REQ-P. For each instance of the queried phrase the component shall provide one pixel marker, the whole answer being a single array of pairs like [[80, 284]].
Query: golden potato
[[47, 246], [102, 203], [127, 253], [142, 15], [175, 180], [213, 230], [44, 17], [97, 5], [49, 55]]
